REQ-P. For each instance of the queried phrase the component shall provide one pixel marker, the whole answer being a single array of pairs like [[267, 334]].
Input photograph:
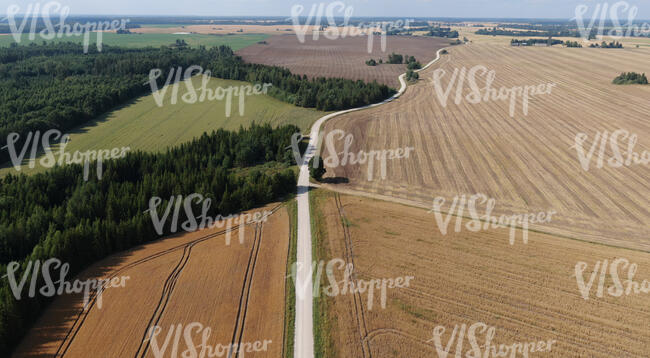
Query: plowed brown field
[[234, 290], [526, 163], [527, 292], [343, 57]]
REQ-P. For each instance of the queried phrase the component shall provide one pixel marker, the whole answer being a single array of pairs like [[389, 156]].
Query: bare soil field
[[237, 291], [527, 163], [528, 293], [343, 57]]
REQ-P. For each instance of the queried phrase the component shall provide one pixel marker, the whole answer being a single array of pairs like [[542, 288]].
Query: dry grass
[[526, 291], [344, 57], [235, 290], [526, 163]]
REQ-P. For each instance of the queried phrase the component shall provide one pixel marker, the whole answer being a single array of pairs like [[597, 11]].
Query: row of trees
[[58, 215], [393, 58], [436, 31], [533, 42], [495, 31], [58, 86], [613, 44]]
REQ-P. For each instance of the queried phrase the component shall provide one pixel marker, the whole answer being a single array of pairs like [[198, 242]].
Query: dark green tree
[[317, 168]]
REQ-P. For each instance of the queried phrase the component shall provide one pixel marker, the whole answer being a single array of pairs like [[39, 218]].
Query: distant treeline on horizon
[[281, 20]]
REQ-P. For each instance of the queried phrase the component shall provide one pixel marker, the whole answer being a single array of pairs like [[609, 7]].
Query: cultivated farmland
[[528, 163], [343, 57], [237, 291], [527, 292]]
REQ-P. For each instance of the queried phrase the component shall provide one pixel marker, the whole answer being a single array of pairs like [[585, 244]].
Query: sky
[[557, 9]]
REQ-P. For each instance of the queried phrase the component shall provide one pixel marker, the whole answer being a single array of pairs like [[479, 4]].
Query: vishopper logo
[[487, 220], [193, 349], [332, 32], [619, 158], [51, 10], [601, 270], [477, 94], [49, 289], [344, 158], [192, 223], [50, 159], [347, 285], [206, 94], [488, 349], [605, 15]]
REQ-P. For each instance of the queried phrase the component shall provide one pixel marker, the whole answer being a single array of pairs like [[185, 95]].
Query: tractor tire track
[[168, 289], [244, 298], [358, 303], [85, 311]]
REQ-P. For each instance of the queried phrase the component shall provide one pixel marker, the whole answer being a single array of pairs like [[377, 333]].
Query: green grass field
[[142, 125], [155, 40]]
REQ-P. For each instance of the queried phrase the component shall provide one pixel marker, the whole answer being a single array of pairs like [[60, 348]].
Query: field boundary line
[[304, 328]]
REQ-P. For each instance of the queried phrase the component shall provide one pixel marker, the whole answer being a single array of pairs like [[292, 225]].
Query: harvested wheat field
[[527, 163], [343, 57], [527, 292], [193, 278]]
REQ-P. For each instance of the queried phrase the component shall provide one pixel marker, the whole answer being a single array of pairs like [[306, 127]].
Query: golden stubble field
[[527, 163], [528, 293], [236, 291]]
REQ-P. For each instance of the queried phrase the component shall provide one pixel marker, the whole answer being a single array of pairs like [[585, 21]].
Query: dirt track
[[344, 57], [235, 290], [527, 162]]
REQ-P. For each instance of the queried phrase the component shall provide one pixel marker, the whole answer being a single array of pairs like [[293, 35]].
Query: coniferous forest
[[58, 214], [57, 86]]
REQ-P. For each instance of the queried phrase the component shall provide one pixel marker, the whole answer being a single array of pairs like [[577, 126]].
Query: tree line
[[613, 44], [532, 42], [435, 31], [57, 214], [396, 59], [495, 31], [57, 86]]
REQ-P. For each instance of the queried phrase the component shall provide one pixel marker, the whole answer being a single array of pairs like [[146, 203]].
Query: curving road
[[304, 330]]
